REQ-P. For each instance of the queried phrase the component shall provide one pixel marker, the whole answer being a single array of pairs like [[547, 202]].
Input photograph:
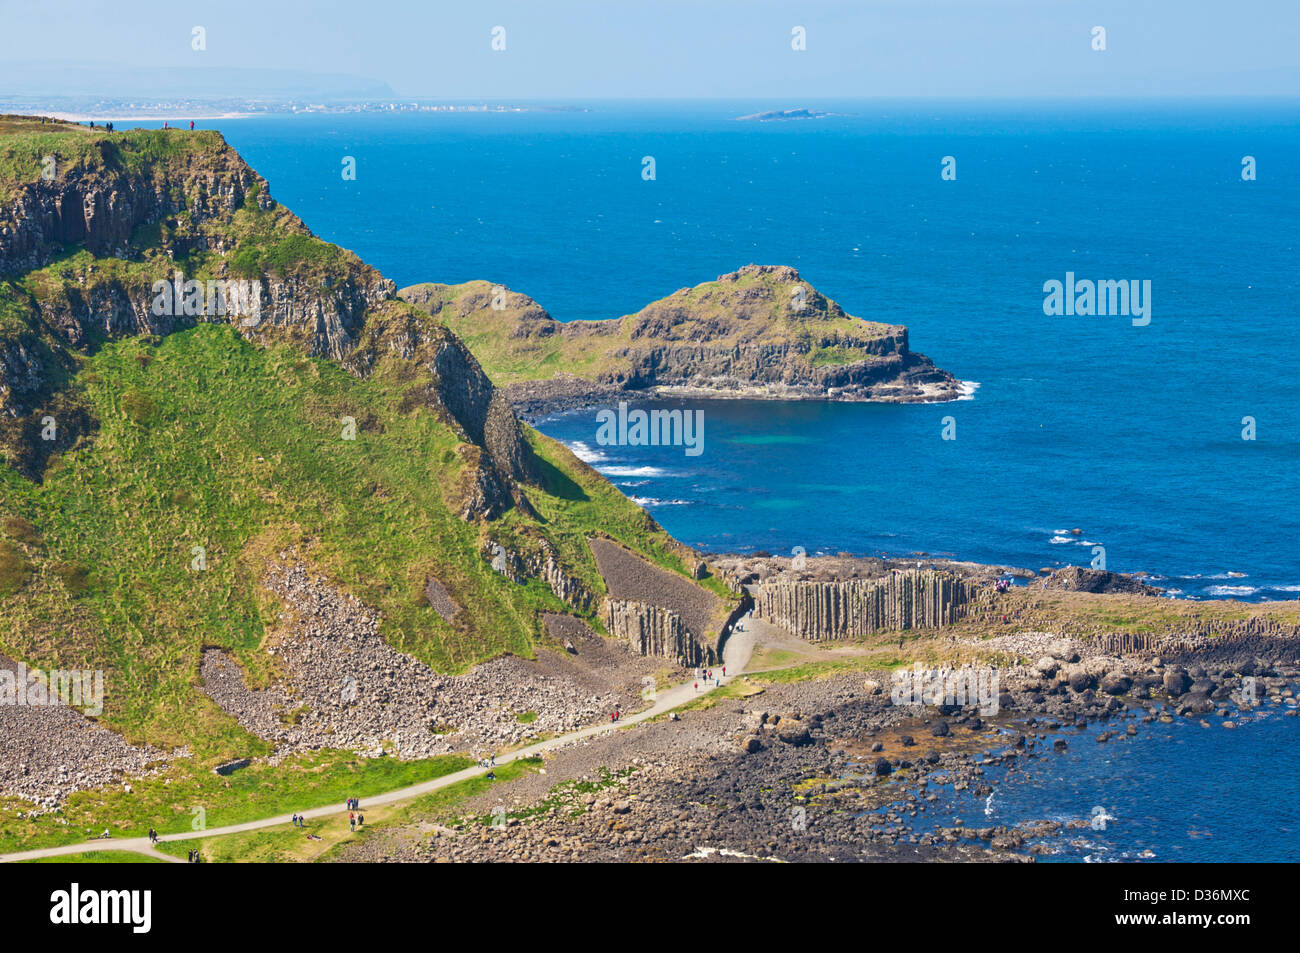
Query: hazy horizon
[[586, 51]]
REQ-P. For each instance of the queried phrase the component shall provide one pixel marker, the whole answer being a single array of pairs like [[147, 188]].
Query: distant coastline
[[73, 109], [176, 116]]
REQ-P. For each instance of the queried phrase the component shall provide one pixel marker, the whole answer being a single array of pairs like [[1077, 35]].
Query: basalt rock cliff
[[90, 221]]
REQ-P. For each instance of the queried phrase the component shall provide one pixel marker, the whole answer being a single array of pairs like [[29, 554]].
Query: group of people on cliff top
[[108, 126]]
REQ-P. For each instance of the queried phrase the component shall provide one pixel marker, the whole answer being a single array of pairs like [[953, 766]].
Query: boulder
[[1195, 703], [1176, 682], [1080, 678], [792, 731], [1116, 683], [1063, 650]]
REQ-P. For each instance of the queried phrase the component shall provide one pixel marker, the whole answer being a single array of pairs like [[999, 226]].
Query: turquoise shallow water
[[1132, 434]]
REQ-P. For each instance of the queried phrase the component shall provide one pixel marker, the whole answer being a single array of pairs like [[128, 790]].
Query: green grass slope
[[208, 441], [217, 440]]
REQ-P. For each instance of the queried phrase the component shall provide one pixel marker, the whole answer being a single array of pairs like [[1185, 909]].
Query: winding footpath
[[736, 652]]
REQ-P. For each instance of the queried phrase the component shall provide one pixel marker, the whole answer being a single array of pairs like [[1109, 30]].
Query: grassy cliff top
[[25, 142]]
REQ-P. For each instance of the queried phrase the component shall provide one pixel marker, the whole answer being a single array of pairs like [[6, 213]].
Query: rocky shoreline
[[833, 770], [534, 401]]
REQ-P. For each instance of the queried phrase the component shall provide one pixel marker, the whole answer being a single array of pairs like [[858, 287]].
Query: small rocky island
[[782, 115], [759, 333]]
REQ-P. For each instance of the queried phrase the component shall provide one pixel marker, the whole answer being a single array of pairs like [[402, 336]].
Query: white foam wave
[[586, 454], [1060, 540], [1231, 590], [631, 471]]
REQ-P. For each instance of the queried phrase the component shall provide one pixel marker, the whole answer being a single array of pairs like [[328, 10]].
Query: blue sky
[[614, 48]]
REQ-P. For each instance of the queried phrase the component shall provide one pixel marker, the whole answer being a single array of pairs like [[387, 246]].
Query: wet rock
[[1195, 703]]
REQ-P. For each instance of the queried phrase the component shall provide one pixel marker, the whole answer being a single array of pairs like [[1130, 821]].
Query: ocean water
[[1173, 792], [1131, 434]]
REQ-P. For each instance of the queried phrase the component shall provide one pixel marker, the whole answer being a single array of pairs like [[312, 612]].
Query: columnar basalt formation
[[854, 608], [653, 630], [1218, 641], [565, 587], [631, 578], [544, 565]]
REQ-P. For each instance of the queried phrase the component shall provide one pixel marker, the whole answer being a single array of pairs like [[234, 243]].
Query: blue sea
[[1131, 434], [1179, 791]]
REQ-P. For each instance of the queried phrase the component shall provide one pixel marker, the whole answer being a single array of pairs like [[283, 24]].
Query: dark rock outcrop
[[1078, 579]]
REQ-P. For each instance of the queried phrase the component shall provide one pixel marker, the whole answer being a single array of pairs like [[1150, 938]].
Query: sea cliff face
[[98, 195], [761, 332], [91, 221]]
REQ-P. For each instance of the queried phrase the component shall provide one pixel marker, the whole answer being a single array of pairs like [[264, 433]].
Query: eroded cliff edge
[[91, 221], [761, 332]]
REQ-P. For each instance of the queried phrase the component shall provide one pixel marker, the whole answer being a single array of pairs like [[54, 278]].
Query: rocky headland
[[761, 332]]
